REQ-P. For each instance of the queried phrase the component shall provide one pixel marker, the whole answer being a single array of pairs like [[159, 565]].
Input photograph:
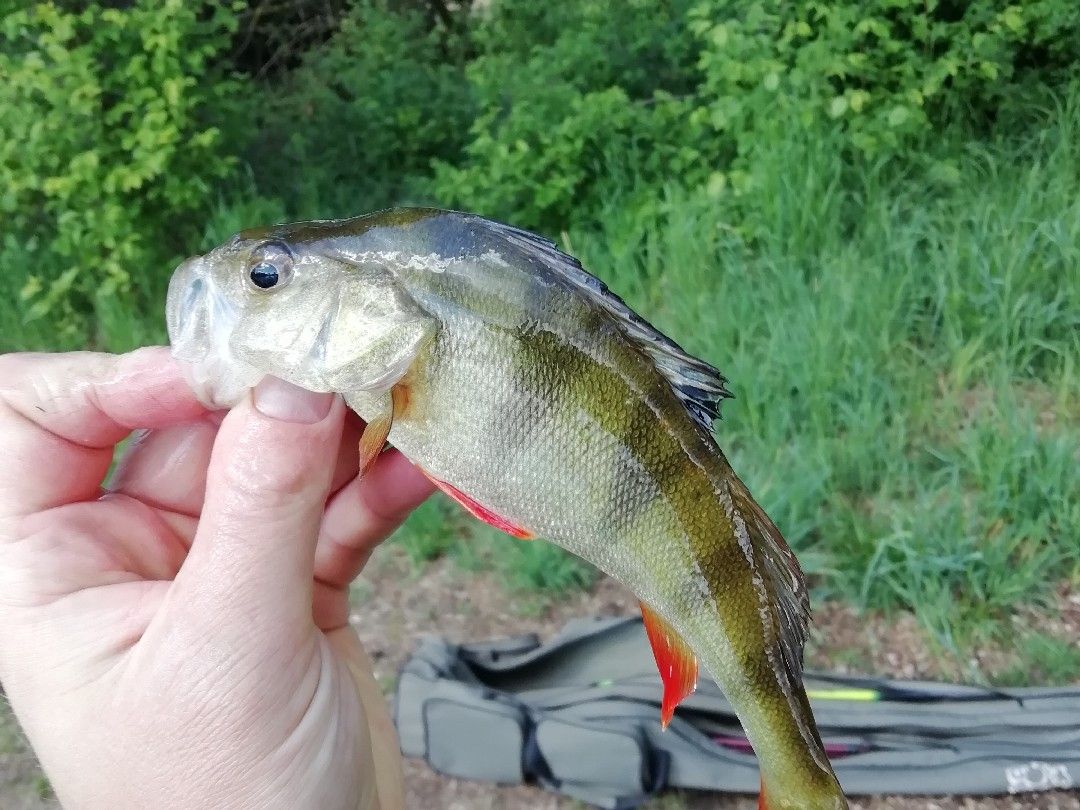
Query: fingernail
[[289, 403]]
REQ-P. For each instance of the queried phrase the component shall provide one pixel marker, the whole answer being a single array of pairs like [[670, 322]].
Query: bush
[[576, 104], [106, 158], [889, 70], [351, 128]]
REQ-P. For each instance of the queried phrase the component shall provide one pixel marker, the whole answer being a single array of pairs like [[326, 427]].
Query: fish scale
[[540, 401]]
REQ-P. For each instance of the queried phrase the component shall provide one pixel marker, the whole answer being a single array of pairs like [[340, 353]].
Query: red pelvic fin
[[676, 661], [486, 515], [761, 803]]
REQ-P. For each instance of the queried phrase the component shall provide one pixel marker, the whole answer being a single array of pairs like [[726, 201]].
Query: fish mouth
[[200, 321]]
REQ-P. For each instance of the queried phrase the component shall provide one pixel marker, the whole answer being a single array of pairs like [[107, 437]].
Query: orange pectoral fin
[[676, 661], [373, 439], [484, 514]]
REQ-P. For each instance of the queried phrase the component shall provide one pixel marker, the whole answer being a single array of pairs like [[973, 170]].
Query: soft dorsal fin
[[790, 605], [699, 385]]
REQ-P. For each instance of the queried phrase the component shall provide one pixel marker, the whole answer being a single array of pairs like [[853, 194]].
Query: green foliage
[[441, 528], [106, 160], [577, 104], [431, 531], [121, 124], [888, 69], [536, 565], [352, 128], [10, 738], [23, 786], [237, 211], [568, 95], [42, 787]]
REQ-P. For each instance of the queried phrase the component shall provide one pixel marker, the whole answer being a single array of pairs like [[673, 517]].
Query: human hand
[[167, 649]]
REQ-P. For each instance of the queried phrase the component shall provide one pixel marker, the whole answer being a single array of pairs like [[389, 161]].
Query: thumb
[[266, 487]]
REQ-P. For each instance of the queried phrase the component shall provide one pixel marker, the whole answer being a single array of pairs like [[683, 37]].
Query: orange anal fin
[[761, 803], [484, 514], [373, 439], [676, 661]]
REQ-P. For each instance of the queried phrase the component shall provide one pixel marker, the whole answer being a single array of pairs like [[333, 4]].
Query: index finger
[[61, 416]]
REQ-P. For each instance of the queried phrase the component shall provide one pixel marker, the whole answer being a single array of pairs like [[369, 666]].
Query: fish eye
[[264, 275], [271, 266]]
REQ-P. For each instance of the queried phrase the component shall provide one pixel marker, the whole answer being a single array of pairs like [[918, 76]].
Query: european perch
[[536, 398]]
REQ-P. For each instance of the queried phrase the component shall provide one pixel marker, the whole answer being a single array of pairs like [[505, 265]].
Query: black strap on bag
[[580, 716]]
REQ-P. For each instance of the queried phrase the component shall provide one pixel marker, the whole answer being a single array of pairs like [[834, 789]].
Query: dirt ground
[[395, 606]]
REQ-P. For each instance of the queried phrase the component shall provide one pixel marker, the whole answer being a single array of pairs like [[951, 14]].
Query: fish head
[[270, 301]]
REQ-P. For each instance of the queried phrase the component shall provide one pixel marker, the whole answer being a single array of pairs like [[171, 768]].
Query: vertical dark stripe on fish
[[549, 371], [627, 398], [582, 383]]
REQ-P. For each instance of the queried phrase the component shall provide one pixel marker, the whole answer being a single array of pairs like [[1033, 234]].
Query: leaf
[[858, 99], [716, 185], [31, 288], [898, 116]]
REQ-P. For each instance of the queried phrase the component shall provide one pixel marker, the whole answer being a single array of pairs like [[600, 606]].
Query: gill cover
[[328, 325]]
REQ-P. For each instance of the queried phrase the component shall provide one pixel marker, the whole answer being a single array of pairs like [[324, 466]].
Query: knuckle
[[254, 478]]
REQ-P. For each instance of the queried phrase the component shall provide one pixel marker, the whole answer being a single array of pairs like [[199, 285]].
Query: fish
[[535, 397]]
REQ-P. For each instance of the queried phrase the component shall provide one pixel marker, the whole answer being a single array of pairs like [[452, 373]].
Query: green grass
[[13, 747], [1043, 659], [10, 738], [441, 528], [431, 531]]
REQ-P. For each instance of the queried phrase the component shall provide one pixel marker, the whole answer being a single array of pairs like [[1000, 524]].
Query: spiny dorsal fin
[[699, 385]]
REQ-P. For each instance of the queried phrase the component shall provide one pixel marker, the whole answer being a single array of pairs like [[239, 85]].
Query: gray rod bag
[[580, 716]]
